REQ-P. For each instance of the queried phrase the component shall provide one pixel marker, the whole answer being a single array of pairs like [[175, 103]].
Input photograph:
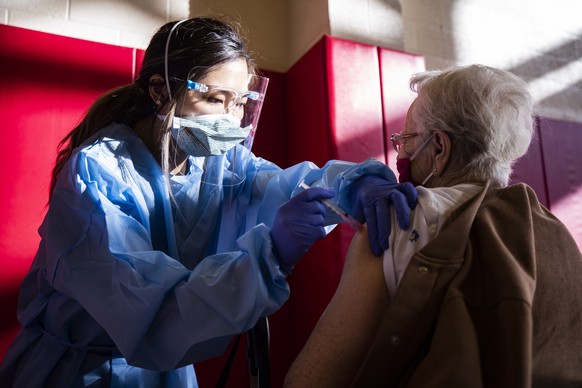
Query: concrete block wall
[[267, 26], [128, 23], [541, 41], [374, 22]]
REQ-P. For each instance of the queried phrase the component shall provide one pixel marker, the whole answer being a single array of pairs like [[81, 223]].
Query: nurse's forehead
[[231, 74]]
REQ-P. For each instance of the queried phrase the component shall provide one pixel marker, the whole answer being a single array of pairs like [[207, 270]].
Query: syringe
[[336, 209]]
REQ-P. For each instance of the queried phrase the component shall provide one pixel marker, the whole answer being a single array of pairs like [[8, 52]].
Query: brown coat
[[495, 300]]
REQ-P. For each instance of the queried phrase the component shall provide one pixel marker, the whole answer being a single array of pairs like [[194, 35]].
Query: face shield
[[218, 111], [215, 121]]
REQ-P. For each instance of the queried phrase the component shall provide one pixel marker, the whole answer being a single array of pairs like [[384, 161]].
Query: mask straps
[[166, 57], [428, 177], [415, 154]]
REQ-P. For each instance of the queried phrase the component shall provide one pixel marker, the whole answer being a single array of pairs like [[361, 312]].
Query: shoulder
[[515, 201], [115, 143], [110, 141], [437, 204], [106, 157]]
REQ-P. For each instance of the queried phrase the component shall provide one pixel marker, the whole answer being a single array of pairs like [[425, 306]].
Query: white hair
[[487, 114]]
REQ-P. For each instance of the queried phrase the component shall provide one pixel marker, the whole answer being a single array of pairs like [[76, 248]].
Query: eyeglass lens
[[397, 138]]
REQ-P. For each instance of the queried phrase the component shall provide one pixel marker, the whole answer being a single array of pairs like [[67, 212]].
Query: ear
[[442, 144], [157, 89]]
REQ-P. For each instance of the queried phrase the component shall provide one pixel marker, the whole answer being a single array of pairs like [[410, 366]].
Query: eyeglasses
[[229, 98], [397, 139]]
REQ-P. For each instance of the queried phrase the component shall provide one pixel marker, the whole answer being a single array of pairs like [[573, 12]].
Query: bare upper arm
[[340, 340]]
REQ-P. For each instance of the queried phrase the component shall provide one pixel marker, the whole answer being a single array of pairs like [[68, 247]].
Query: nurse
[[165, 236]]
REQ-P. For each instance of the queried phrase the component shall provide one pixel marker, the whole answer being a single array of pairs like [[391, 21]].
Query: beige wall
[[266, 23], [375, 22], [541, 41], [280, 32]]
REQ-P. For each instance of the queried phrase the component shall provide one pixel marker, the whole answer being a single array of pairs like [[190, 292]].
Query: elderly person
[[484, 287]]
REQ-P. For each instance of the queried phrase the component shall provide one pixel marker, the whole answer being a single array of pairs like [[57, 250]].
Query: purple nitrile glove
[[298, 224], [372, 196]]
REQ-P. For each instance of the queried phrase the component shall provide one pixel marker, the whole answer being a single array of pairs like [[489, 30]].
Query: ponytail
[[125, 105]]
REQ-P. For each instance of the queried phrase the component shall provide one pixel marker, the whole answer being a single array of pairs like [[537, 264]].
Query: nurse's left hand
[[372, 197]]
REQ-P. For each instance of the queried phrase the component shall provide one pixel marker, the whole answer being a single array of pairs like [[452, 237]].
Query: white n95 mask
[[211, 134]]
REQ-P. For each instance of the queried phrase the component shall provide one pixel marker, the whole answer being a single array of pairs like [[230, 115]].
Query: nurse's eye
[[215, 100], [241, 103]]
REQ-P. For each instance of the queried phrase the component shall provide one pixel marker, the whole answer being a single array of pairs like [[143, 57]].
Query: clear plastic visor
[[238, 94], [221, 92]]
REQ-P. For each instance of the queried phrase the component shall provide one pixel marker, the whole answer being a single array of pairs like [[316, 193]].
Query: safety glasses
[[225, 99]]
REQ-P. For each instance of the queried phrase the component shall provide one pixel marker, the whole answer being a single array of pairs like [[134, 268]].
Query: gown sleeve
[[336, 174], [159, 314]]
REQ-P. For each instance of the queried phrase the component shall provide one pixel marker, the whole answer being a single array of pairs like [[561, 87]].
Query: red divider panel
[[530, 168], [561, 144], [355, 103], [271, 138], [355, 110], [307, 109], [48, 81], [334, 112]]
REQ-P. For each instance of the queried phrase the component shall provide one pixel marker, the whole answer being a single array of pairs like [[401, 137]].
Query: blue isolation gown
[[132, 284]]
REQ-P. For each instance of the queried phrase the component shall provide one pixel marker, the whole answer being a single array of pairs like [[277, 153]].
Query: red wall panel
[[307, 106], [48, 81], [530, 169], [355, 103], [561, 144], [270, 141], [336, 94]]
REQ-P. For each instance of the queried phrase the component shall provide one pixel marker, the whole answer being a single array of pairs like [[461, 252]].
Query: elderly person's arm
[[332, 355]]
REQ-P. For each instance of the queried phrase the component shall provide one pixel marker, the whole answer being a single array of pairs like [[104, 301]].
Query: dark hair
[[201, 43]]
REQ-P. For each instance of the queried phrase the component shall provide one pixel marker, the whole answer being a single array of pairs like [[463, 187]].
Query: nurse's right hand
[[298, 224]]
